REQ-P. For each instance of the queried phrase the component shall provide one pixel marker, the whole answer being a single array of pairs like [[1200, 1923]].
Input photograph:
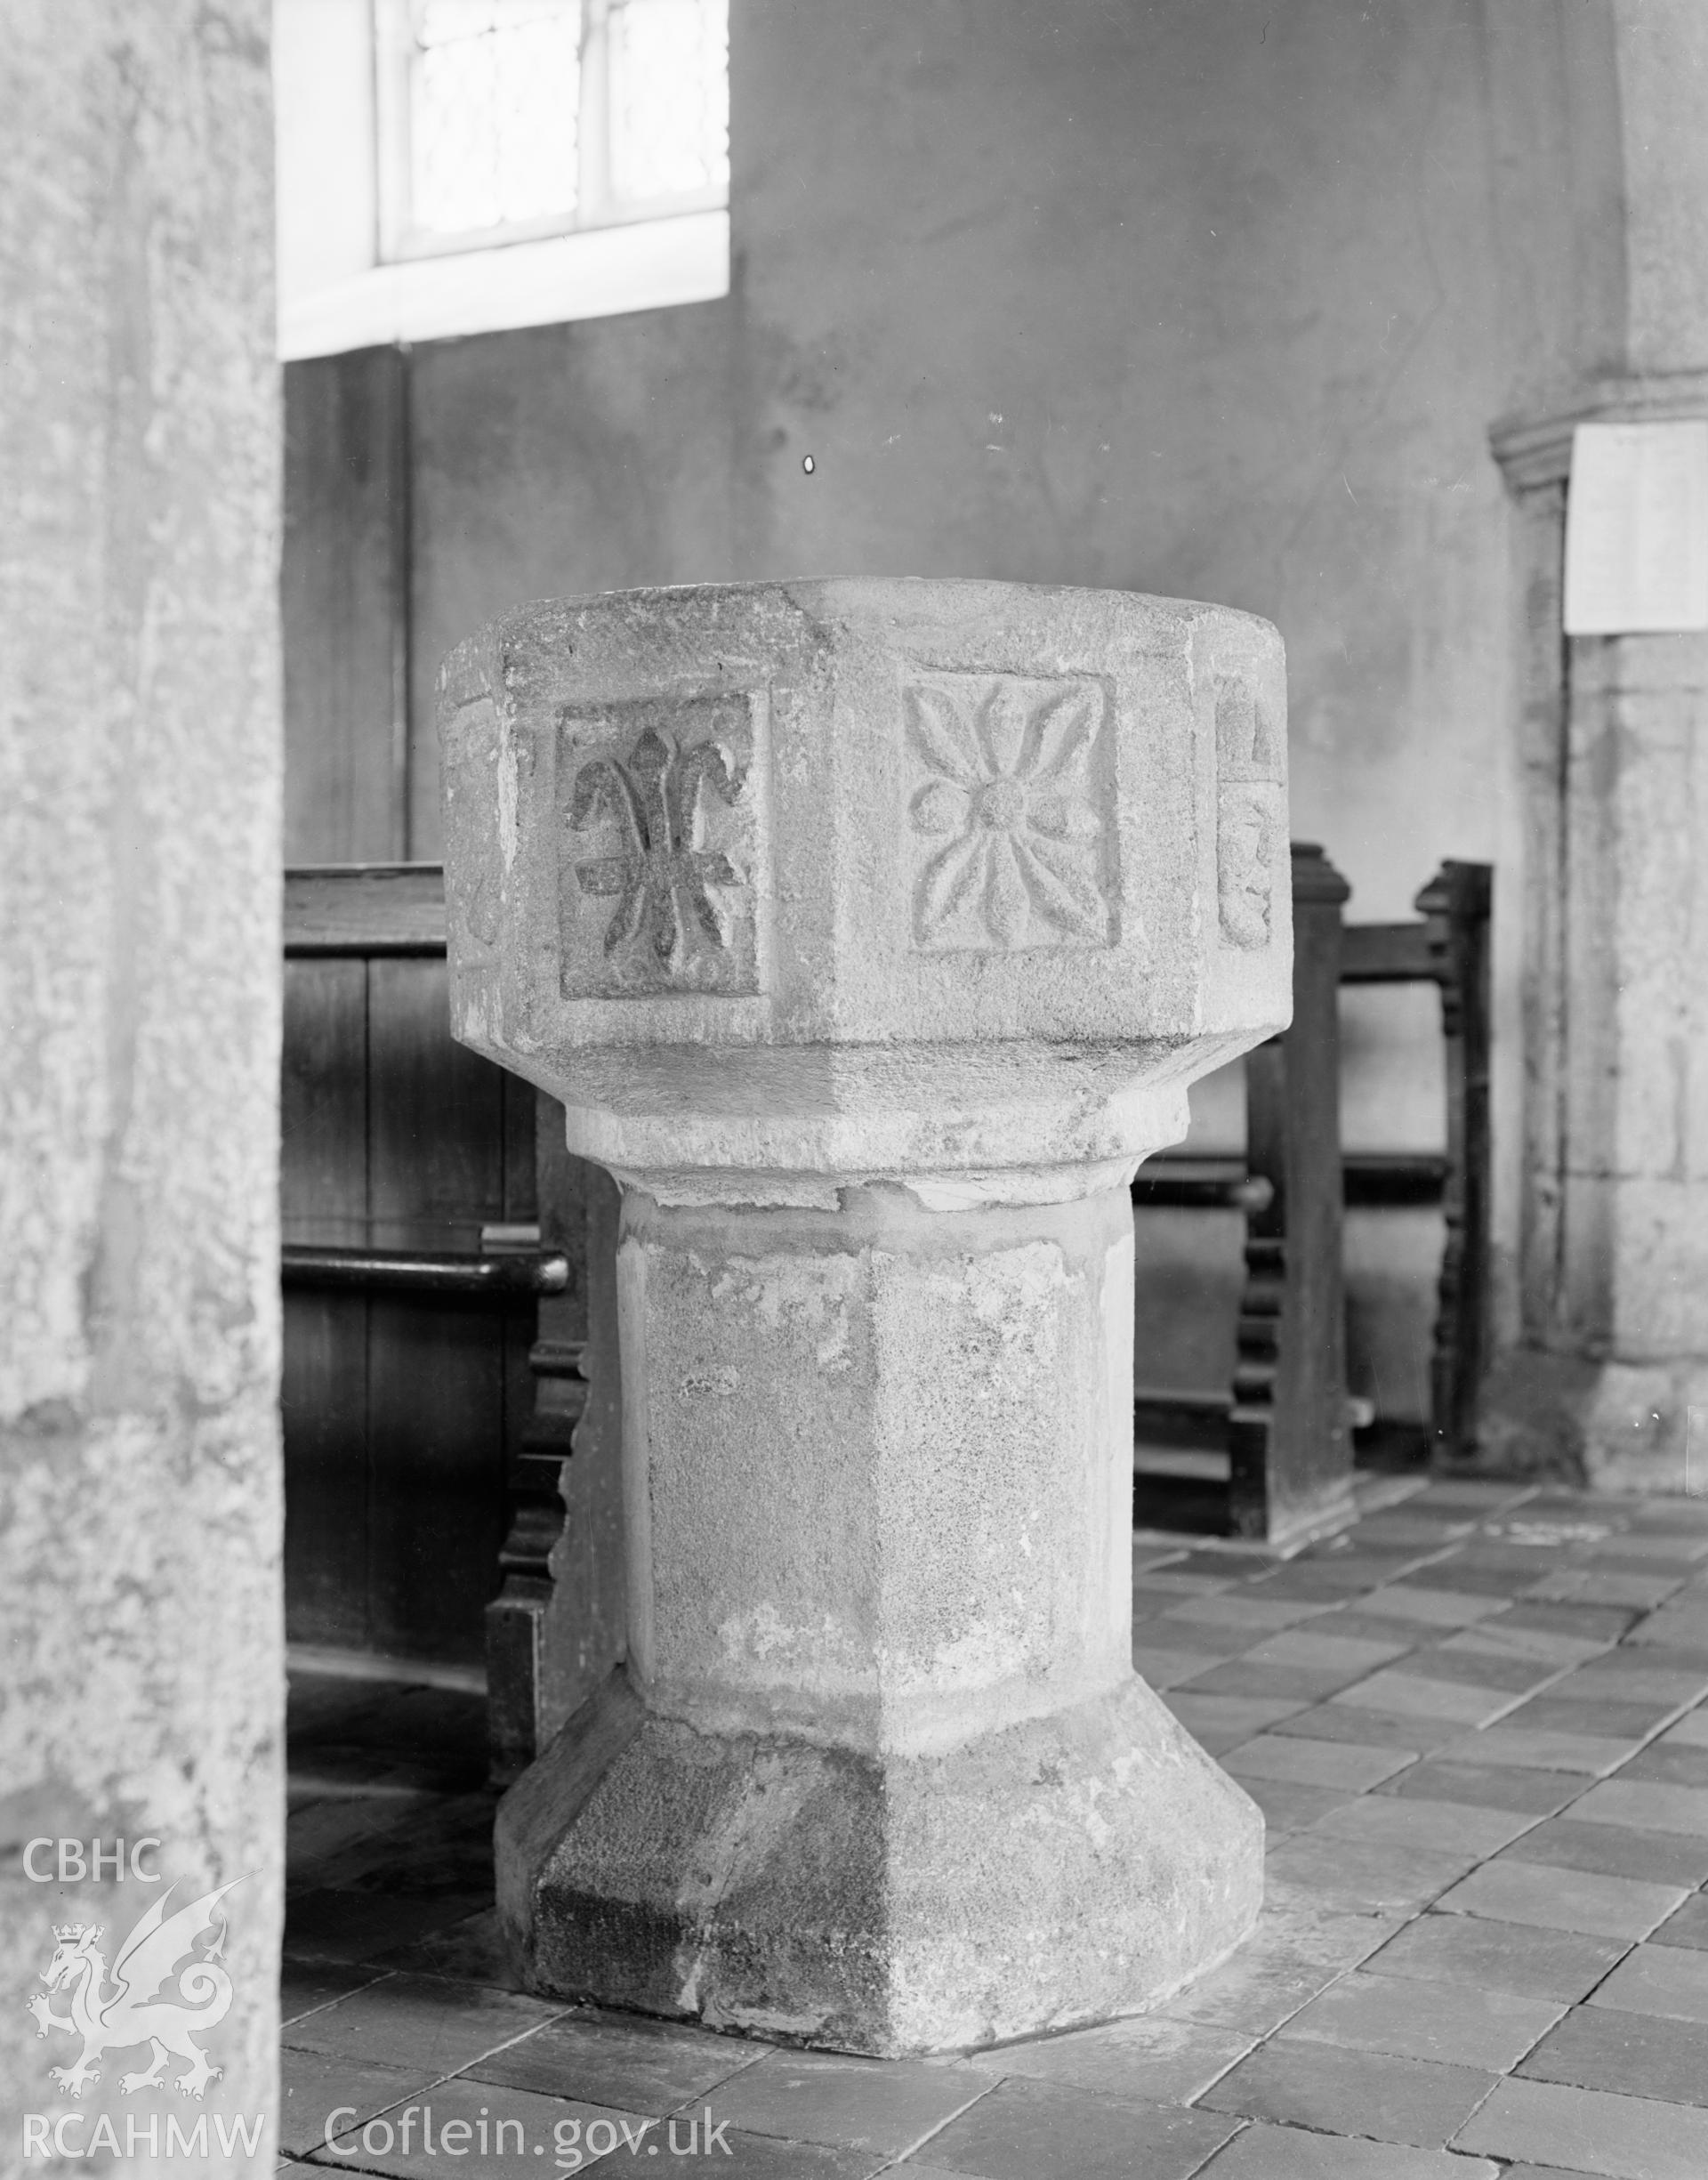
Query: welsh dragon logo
[[158, 1950]]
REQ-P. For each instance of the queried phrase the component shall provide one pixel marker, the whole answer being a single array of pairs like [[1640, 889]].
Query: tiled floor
[[1477, 1725]]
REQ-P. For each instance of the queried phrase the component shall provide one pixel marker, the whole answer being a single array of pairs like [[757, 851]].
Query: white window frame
[[336, 289]]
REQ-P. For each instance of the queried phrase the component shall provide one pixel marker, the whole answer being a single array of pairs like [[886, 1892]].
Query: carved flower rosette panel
[[1009, 812], [657, 845]]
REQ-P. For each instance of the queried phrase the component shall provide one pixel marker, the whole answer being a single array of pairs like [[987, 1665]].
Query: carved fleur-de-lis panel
[[1250, 836], [656, 861], [1008, 803]]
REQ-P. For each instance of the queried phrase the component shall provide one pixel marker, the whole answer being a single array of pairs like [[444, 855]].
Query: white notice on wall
[[1636, 530]]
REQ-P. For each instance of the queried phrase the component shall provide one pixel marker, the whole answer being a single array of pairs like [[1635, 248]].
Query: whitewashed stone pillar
[[1603, 197], [871, 933]]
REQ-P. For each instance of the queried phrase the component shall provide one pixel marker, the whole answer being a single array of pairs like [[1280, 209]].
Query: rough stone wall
[[140, 1507]]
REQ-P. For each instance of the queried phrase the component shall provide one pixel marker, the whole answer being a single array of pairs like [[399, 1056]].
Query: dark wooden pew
[[434, 1261], [1284, 1427], [1450, 949]]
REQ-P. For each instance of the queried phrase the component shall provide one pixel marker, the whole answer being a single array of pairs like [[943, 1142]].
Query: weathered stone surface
[[1611, 1357], [871, 933], [1035, 1877], [138, 986], [960, 879], [1626, 1426]]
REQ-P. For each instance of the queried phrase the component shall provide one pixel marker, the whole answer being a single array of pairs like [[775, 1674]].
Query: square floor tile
[[1152, 2057], [1529, 1748], [1318, 1580], [1358, 1622], [1404, 1694], [620, 2060], [1485, 1668], [315, 2085], [1361, 1877], [1633, 2054], [1433, 1607], [1595, 1624], [1588, 2131], [1213, 1644], [1240, 1716], [1606, 1586], [1675, 1627], [1358, 1567], [1528, 1961], [1165, 1582], [1634, 1676], [1561, 1646], [763, 2156], [1319, 1646], [1561, 1899], [1647, 1806], [889, 2104], [1238, 1676], [1675, 1764], [306, 1989], [1289, 1807], [1299, 2083], [1165, 1669], [1606, 1719], [1257, 1609], [418, 2020], [1214, 1641], [1039, 2130], [1438, 1827], [1352, 1766], [1657, 1857], [1486, 1786], [1685, 1926], [1265, 2153], [1336, 1722], [1671, 1980], [1457, 2024], [1691, 1730], [1286, 1961], [1467, 1569]]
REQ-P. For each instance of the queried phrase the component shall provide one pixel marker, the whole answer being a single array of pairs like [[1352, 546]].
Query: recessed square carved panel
[[1250, 840], [1248, 822], [658, 853], [1009, 801]]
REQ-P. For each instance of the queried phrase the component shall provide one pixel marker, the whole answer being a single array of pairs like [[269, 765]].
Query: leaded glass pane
[[670, 97], [494, 96]]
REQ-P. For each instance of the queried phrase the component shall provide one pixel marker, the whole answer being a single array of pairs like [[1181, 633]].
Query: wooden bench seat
[[1284, 1422]]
